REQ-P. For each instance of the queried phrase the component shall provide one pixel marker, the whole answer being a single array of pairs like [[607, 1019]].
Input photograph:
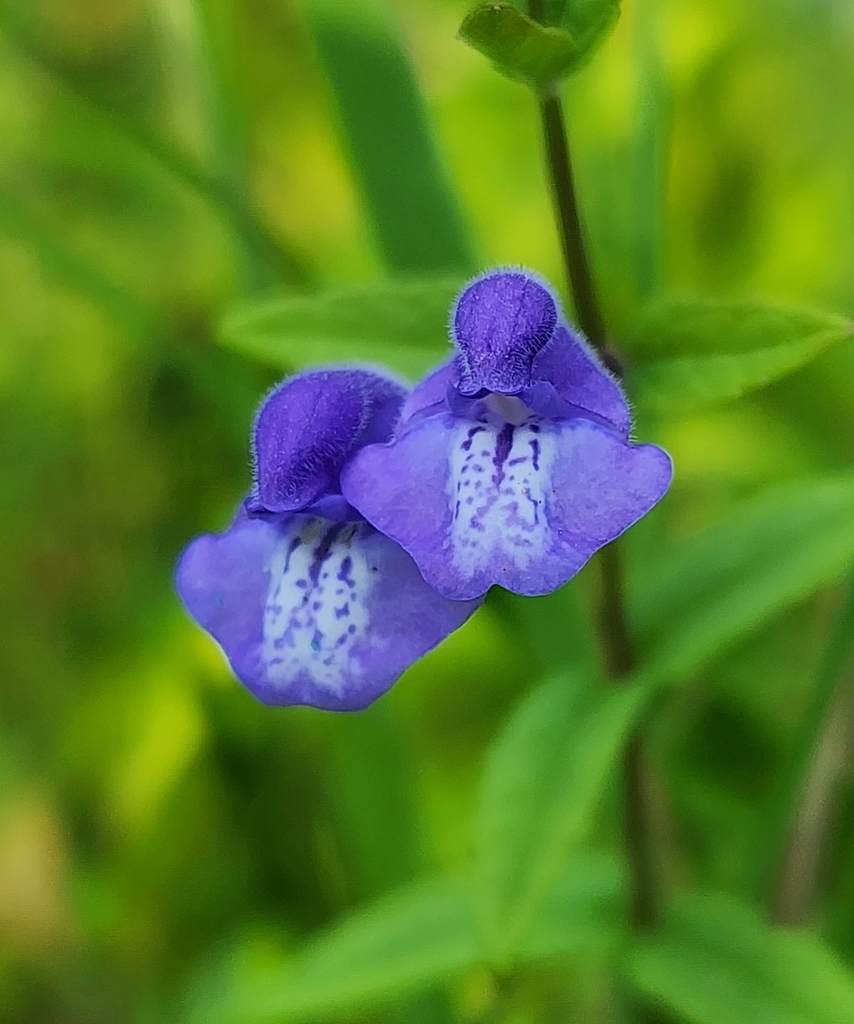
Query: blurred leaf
[[401, 325], [588, 21], [583, 914], [712, 588], [218, 192], [18, 221], [543, 781], [519, 47], [410, 941], [370, 781], [227, 123], [689, 353], [717, 962], [386, 126], [556, 626], [792, 784]]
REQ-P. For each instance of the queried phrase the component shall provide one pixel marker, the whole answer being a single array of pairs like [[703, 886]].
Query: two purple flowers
[[379, 517]]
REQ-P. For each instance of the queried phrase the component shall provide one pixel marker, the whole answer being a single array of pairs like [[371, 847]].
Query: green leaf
[[373, 794], [686, 354], [543, 781], [409, 942], [388, 134], [714, 587], [520, 47], [401, 325], [555, 628], [717, 962], [583, 914], [589, 21]]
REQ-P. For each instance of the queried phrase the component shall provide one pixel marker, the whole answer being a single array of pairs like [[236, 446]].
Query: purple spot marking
[[473, 432], [503, 447], [295, 543], [321, 552], [345, 570]]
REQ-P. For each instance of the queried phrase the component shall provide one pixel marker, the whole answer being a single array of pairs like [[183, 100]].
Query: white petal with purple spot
[[316, 611], [499, 481]]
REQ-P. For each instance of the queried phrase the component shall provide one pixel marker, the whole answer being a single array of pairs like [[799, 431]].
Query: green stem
[[569, 221], [218, 192], [620, 662], [782, 888]]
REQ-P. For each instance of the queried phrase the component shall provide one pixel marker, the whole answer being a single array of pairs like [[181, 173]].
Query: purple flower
[[511, 464], [311, 603]]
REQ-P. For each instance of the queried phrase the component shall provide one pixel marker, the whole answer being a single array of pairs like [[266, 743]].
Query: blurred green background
[[162, 160]]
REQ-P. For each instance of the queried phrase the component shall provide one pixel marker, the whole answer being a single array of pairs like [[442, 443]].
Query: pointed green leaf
[[686, 354], [386, 127], [717, 962], [401, 325], [411, 941], [520, 47], [714, 587], [543, 781]]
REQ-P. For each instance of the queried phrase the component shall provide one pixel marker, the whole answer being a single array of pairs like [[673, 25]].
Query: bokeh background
[[162, 160]]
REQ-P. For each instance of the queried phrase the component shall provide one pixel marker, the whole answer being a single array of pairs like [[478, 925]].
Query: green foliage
[[540, 55], [520, 47], [717, 585], [544, 779], [587, 21], [582, 915], [412, 208], [780, 818], [717, 962], [413, 939], [125, 124], [691, 353], [402, 325]]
